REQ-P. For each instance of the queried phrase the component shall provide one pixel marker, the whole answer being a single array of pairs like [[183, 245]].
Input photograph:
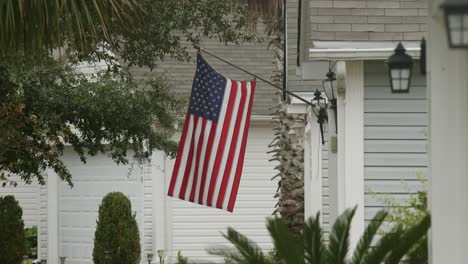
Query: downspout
[[299, 35], [285, 51]]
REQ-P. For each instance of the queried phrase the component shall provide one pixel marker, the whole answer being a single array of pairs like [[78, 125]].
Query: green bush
[[117, 239], [12, 242], [30, 234]]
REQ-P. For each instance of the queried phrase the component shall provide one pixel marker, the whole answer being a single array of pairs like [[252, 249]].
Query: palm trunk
[[287, 152]]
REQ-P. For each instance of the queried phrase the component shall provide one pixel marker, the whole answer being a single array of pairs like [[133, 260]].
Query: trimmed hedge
[[116, 232], [12, 241]]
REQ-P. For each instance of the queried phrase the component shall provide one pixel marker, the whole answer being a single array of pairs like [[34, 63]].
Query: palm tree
[[35, 25], [311, 247], [288, 154]]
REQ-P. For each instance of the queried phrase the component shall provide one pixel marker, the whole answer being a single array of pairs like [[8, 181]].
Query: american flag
[[211, 152]]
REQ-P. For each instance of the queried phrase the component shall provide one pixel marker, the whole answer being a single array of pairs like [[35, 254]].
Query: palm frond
[[248, 252], [380, 251], [290, 249], [339, 238], [314, 245], [365, 242], [419, 254], [38, 24], [408, 239], [228, 253], [269, 11]]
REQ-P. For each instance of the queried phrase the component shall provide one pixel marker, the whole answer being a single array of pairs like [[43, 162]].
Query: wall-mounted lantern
[[400, 68], [319, 106], [62, 260], [329, 85], [456, 22], [149, 257]]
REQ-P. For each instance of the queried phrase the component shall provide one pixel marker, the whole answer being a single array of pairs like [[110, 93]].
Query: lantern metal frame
[[456, 8], [319, 107], [331, 93], [149, 257], [400, 60]]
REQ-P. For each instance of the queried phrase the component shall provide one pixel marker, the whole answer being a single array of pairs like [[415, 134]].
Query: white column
[[312, 168], [351, 145], [333, 139], [159, 202], [448, 135], [52, 218]]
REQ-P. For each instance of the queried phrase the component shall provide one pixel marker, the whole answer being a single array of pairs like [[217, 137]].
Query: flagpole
[[256, 76]]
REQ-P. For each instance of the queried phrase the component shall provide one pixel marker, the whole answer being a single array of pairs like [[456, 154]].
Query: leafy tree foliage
[[45, 104], [30, 234], [311, 247], [12, 241], [117, 238]]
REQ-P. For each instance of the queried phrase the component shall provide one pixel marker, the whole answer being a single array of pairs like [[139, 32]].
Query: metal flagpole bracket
[[256, 76]]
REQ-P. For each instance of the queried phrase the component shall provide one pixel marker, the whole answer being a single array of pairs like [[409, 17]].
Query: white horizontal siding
[[395, 134], [195, 228], [28, 198], [78, 206]]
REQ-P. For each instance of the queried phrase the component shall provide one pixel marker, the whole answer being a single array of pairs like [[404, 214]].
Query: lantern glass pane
[[458, 27], [396, 84], [404, 84], [455, 21], [400, 79], [330, 87], [405, 73], [456, 36]]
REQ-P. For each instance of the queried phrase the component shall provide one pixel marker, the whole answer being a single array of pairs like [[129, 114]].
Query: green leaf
[[365, 242], [339, 238], [289, 248], [408, 239], [314, 244]]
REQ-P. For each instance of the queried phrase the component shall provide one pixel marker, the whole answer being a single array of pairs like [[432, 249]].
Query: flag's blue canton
[[207, 91]]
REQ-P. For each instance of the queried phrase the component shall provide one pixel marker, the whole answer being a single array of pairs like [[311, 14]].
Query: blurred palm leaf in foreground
[[312, 248]]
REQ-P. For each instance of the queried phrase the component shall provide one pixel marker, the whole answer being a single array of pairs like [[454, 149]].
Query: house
[[377, 147], [66, 217], [380, 139]]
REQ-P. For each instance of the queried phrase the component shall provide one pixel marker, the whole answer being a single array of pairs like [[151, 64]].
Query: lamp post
[[161, 256], [456, 22], [400, 68], [62, 260], [329, 85], [150, 257], [319, 107]]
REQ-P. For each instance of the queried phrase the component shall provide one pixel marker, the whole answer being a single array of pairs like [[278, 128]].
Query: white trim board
[[359, 50]]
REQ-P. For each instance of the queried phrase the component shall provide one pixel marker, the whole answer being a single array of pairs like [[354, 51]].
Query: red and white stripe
[[209, 162]]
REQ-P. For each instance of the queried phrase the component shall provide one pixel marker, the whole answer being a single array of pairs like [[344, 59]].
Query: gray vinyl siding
[[361, 20], [395, 138], [295, 81]]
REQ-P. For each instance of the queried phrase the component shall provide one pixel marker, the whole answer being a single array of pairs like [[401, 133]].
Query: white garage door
[[78, 207], [195, 228]]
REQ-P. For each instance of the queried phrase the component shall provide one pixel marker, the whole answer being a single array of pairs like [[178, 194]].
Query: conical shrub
[[117, 239], [12, 241]]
